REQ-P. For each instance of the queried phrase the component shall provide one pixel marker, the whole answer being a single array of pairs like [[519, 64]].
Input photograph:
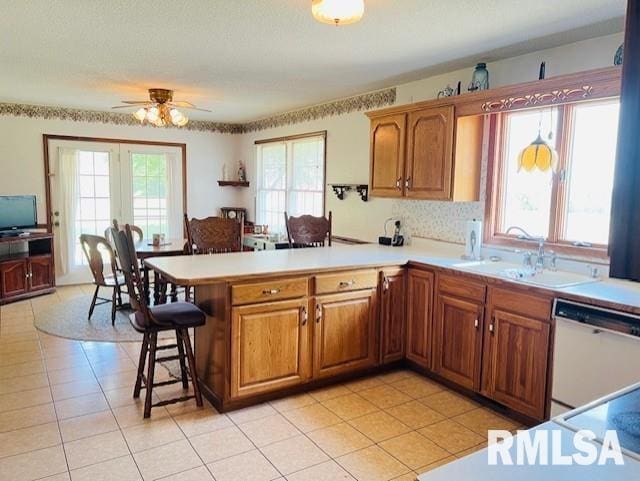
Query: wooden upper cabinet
[[430, 153], [457, 347], [392, 315], [388, 136], [419, 316], [270, 347], [516, 351], [345, 337]]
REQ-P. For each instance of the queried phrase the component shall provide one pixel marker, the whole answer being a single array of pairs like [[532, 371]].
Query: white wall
[[348, 144], [22, 162]]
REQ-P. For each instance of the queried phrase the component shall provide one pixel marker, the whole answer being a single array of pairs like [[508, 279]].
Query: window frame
[[559, 189], [322, 134]]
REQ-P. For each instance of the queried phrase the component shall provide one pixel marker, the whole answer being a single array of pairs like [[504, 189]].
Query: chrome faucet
[[539, 266]]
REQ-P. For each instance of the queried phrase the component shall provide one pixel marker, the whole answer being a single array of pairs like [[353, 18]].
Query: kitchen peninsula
[[283, 321]]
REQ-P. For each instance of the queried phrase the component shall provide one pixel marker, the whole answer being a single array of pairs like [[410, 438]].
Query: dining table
[[145, 249]]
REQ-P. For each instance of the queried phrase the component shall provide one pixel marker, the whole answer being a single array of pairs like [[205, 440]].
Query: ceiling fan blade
[[182, 103], [173, 104], [135, 102]]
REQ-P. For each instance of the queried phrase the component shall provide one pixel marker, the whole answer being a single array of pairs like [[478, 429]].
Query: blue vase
[[480, 78], [617, 60]]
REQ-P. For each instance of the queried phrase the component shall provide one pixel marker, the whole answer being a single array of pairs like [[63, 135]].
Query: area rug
[[69, 319]]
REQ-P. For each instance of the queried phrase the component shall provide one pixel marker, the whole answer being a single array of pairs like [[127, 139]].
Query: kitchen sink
[[546, 278]]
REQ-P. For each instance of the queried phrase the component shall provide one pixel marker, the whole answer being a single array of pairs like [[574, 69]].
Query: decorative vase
[[617, 60], [480, 78]]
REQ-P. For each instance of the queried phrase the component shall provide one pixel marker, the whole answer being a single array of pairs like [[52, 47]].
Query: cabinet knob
[[399, 183], [347, 283], [385, 283], [491, 328], [476, 323]]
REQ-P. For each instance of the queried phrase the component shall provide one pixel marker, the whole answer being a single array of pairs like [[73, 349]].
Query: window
[[93, 203], [149, 177], [290, 178], [569, 207]]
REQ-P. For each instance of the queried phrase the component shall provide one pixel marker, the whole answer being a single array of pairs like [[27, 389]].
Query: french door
[[93, 183]]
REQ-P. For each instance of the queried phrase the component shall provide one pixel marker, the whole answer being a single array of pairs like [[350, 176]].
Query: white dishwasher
[[596, 352]]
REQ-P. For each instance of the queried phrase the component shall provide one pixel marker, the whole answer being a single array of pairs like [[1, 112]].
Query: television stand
[[26, 265]]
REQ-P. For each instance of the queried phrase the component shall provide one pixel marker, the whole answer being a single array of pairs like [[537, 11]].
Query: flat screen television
[[17, 212]]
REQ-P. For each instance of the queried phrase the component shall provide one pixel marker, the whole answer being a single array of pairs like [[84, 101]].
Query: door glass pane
[[93, 211], [527, 195], [590, 172], [149, 189]]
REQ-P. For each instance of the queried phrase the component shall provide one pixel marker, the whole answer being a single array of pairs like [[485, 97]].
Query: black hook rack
[[341, 189]]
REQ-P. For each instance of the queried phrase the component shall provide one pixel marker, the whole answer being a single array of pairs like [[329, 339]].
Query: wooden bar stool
[[178, 317]]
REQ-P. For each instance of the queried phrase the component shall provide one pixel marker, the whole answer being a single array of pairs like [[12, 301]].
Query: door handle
[[399, 183], [385, 283], [476, 323], [305, 316], [318, 313], [407, 183], [491, 326], [347, 283]]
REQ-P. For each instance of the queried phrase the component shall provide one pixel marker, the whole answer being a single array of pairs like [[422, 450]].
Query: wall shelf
[[233, 183], [341, 189]]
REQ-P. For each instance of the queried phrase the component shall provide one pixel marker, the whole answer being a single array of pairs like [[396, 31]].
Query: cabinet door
[[392, 316], [269, 347], [515, 369], [387, 155], [458, 340], [14, 278], [430, 154], [40, 273], [345, 333], [419, 316]]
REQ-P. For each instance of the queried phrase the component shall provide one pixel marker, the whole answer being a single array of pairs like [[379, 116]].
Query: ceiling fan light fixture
[[337, 12], [153, 114], [140, 114]]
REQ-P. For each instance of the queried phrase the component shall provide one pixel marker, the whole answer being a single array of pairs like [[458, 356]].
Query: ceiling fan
[[160, 110]]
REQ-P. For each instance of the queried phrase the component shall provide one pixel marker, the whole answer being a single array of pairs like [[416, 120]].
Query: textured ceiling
[[247, 59]]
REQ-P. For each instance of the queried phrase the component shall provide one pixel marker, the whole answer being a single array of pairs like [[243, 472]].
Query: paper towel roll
[[473, 239]]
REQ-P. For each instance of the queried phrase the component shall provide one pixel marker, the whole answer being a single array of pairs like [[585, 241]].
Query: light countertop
[[208, 269]]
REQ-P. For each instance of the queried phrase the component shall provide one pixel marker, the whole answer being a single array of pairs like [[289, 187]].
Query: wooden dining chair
[[149, 321], [138, 233], [308, 231], [213, 235], [99, 254]]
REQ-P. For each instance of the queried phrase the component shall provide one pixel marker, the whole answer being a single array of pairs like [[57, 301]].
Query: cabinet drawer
[[461, 287], [528, 305], [269, 291], [346, 281]]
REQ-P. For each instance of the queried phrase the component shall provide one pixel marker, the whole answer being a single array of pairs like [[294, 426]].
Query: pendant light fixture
[[539, 154], [337, 12]]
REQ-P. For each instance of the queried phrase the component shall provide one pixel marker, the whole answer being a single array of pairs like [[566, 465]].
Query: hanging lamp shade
[[539, 154], [337, 12]]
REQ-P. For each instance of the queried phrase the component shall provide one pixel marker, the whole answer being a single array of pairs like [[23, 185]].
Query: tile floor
[[66, 413]]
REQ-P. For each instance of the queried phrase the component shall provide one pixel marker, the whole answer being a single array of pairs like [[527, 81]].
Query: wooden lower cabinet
[[345, 333], [457, 346], [270, 347], [420, 284], [14, 278], [392, 315], [40, 273], [516, 357]]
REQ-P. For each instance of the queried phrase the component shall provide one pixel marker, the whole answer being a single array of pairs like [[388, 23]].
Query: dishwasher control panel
[[598, 317]]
